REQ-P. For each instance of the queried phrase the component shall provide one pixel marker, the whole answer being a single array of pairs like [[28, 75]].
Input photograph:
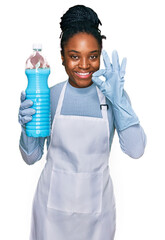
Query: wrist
[[124, 116]]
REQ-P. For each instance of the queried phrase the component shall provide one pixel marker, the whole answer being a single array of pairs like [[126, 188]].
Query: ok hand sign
[[113, 85]]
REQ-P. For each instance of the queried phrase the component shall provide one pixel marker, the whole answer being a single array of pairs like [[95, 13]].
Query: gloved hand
[[113, 89], [25, 110]]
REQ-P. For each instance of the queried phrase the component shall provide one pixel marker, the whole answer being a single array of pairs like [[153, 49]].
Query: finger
[[99, 73], [26, 104], [106, 60], [28, 112], [115, 61], [100, 84], [123, 67], [23, 96], [25, 119]]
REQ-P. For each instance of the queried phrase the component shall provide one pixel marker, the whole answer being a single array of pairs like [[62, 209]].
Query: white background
[[136, 30]]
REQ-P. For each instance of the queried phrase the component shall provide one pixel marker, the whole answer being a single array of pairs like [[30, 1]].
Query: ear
[[62, 58]]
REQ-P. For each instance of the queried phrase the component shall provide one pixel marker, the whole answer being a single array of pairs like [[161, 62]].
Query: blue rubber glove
[[113, 89], [25, 110], [31, 148]]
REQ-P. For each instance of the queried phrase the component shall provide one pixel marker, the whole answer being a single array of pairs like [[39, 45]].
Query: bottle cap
[[37, 46]]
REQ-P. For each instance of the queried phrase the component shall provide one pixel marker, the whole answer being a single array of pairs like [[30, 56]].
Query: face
[[81, 59]]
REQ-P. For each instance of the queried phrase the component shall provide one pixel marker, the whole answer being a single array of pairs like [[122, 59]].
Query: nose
[[84, 63]]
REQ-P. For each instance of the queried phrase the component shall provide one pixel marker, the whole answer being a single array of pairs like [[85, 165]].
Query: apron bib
[[74, 198]]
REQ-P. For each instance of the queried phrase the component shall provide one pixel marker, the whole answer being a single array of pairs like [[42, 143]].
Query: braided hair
[[78, 19]]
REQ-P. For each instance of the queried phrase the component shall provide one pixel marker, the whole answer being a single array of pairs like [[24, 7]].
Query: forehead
[[82, 42]]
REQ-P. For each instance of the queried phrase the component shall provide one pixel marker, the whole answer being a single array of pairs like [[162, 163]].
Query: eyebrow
[[95, 51]]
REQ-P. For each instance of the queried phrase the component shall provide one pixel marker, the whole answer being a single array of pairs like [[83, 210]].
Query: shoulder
[[55, 92], [57, 88], [54, 97]]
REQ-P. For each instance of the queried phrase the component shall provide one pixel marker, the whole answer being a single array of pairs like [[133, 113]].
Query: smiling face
[[81, 59]]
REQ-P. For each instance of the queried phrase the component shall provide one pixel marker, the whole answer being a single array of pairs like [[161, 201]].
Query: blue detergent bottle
[[37, 72]]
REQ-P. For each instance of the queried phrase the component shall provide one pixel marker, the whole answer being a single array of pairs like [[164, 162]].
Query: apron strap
[[103, 104], [104, 108], [60, 101]]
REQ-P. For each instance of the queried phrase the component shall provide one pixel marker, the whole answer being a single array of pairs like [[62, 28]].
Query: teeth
[[83, 74]]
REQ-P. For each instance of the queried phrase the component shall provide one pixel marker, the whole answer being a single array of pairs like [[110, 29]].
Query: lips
[[83, 74]]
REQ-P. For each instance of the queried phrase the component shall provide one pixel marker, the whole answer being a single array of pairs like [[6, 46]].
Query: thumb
[[100, 84], [99, 73], [23, 96]]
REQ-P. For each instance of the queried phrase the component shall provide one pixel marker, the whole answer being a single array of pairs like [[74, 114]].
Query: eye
[[74, 57], [93, 57]]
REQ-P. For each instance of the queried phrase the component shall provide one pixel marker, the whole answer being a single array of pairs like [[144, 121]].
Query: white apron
[[74, 198]]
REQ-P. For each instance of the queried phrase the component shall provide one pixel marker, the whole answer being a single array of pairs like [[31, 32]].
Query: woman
[[74, 197]]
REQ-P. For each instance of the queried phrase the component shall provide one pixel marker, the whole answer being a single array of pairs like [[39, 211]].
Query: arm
[[131, 135], [133, 141], [31, 148]]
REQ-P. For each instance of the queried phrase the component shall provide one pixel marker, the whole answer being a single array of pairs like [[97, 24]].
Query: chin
[[84, 84], [81, 83]]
